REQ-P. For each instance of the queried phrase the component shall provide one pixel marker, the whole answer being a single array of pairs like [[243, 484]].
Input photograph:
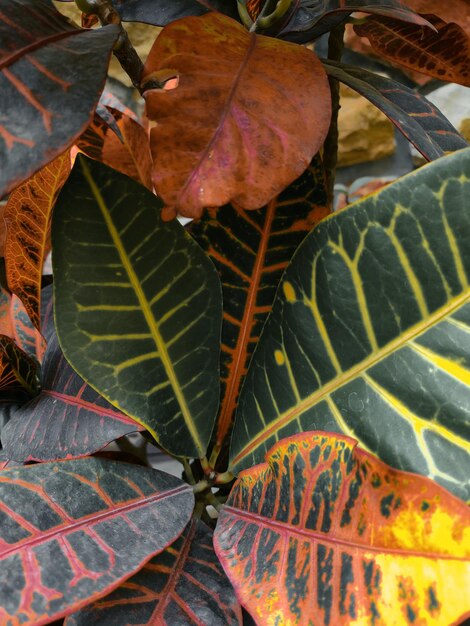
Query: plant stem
[[330, 147], [188, 471], [123, 50]]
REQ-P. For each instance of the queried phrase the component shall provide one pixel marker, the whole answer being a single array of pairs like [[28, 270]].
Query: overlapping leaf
[[16, 324], [46, 103], [67, 419], [27, 219], [250, 251], [184, 584], [324, 533], [138, 306], [245, 120], [444, 54], [370, 332], [419, 120], [162, 12], [18, 371], [71, 531], [313, 18], [128, 154]]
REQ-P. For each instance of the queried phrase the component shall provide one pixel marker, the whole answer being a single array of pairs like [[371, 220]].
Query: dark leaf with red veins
[[312, 18], [46, 101], [162, 12], [419, 120], [443, 54], [67, 419], [72, 531], [185, 584]]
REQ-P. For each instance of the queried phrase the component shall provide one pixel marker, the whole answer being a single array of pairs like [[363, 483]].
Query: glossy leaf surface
[[162, 12], [312, 19], [138, 306], [67, 419], [324, 533], [28, 220], [71, 531], [444, 54], [245, 120], [18, 371], [128, 154], [184, 584], [370, 332], [16, 324], [419, 120], [46, 103], [251, 250]]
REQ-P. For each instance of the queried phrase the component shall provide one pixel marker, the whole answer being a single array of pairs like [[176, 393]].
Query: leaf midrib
[[337, 382], [146, 309], [89, 520]]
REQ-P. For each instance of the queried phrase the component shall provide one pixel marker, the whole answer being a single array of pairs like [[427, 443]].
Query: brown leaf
[[130, 156], [444, 54], [245, 120], [27, 219]]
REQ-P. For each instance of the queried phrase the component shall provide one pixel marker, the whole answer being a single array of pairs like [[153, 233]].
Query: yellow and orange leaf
[[245, 119], [27, 218], [324, 533]]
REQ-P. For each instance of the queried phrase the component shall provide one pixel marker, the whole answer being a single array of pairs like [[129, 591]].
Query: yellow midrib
[[145, 306], [337, 382]]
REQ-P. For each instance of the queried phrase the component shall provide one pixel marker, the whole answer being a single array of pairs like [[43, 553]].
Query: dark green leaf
[[72, 531], [18, 371], [419, 120], [162, 12], [138, 306], [370, 332], [185, 584], [51, 77]]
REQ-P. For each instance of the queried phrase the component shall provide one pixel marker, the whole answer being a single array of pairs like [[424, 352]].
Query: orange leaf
[[27, 219], [444, 54], [325, 533], [245, 120], [131, 157]]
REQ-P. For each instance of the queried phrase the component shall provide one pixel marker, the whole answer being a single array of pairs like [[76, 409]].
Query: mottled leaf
[[18, 371], [444, 54], [162, 12], [313, 18], [67, 419], [46, 103], [129, 155], [138, 306], [323, 533], [251, 250], [72, 531], [184, 584], [419, 120], [27, 219], [245, 120], [370, 332]]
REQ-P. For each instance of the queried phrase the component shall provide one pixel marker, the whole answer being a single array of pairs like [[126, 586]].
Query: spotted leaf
[[443, 54], [370, 332], [324, 533]]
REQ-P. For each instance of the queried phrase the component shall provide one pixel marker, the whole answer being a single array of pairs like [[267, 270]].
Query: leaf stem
[[123, 50], [330, 147]]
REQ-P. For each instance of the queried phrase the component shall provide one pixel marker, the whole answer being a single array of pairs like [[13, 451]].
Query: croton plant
[[310, 371]]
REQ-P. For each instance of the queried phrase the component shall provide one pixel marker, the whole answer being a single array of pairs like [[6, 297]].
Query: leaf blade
[[112, 506], [352, 538], [339, 330], [155, 336]]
